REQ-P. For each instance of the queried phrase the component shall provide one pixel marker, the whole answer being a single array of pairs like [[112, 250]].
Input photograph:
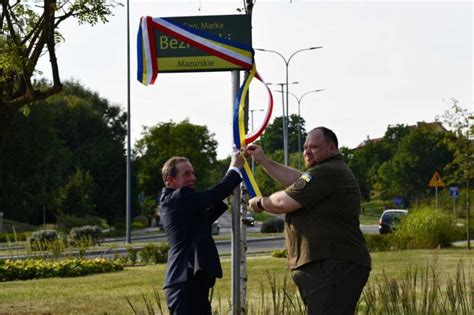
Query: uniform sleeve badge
[[302, 181]]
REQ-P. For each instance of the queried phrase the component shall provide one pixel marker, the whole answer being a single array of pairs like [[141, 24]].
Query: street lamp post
[[251, 121], [287, 63], [299, 120], [284, 121]]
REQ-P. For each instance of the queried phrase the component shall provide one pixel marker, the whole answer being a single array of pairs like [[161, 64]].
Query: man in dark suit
[[187, 216]]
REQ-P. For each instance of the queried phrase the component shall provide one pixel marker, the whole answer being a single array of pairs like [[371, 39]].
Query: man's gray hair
[[169, 168]]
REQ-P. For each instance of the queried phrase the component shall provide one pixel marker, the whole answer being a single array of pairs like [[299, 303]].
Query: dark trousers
[[191, 297], [330, 286]]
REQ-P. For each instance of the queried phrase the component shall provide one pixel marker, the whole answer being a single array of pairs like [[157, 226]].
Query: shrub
[[279, 253], [378, 242], [89, 233], [163, 253], [137, 226], [273, 225], [425, 228], [13, 237], [148, 253], [462, 230], [37, 268], [40, 240], [113, 232], [67, 222], [132, 255], [143, 220], [152, 253]]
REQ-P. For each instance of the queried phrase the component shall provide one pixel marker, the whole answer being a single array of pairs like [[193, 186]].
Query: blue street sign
[[454, 192], [397, 201]]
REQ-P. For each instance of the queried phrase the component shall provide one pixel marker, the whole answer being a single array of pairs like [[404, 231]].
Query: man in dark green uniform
[[327, 253]]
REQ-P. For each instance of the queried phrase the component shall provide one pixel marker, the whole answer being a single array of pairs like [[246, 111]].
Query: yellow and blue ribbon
[[240, 138], [231, 51]]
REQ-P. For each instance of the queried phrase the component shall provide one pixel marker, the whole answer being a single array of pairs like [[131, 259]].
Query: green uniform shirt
[[327, 226]]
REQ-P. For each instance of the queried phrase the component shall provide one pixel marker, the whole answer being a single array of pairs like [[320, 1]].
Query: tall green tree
[[461, 169], [421, 153], [75, 129], [164, 140], [75, 196], [29, 30], [272, 138], [366, 160]]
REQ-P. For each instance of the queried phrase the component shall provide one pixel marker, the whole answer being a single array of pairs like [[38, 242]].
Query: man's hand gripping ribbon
[[231, 51]]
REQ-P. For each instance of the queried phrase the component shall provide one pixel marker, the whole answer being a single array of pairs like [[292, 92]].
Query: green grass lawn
[[107, 293]]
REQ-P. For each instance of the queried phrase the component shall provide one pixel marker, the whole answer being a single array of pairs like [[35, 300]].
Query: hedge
[[13, 237], [11, 270], [273, 225]]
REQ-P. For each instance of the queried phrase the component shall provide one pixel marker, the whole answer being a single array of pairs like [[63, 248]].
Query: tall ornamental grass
[[425, 228], [418, 290]]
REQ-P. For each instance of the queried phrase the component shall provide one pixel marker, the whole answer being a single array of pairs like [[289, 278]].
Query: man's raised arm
[[283, 174]]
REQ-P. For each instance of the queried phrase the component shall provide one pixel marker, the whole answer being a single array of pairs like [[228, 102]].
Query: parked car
[[249, 220], [215, 228], [390, 219]]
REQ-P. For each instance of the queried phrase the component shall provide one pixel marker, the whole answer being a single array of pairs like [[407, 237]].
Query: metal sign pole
[[128, 218], [243, 256], [235, 266]]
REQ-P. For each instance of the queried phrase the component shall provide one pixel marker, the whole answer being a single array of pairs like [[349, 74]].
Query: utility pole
[[468, 206], [128, 215]]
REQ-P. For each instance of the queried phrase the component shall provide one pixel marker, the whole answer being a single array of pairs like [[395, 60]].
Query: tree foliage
[[29, 30], [461, 169], [404, 160], [75, 196], [366, 160], [420, 154], [164, 140], [272, 138], [75, 129]]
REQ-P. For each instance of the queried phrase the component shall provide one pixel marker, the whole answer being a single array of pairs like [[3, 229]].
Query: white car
[[390, 219]]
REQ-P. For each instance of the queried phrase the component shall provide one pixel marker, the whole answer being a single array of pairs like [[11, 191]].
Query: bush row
[[13, 237], [421, 228], [149, 254], [273, 225], [86, 235], [38, 268]]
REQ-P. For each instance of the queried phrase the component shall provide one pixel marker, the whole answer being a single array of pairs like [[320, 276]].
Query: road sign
[[174, 55], [436, 181], [397, 201], [454, 192]]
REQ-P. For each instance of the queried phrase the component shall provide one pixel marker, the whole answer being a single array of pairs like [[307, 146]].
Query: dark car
[[215, 228], [390, 219], [249, 220]]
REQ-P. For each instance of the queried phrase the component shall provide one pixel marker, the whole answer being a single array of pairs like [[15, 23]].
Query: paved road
[[266, 244]]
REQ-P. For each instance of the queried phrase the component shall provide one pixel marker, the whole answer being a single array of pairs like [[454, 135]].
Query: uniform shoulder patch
[[301, 182], [306, 177]]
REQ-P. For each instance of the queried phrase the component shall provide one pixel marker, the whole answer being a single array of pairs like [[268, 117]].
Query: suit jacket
[[187, 216]]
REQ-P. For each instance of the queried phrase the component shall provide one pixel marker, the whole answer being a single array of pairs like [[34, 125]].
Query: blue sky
[[382, 63]]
